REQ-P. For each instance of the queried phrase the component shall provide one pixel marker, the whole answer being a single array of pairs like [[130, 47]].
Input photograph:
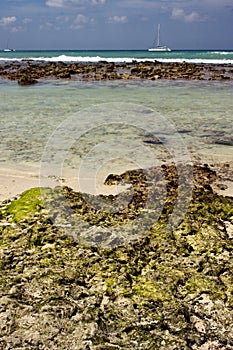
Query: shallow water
[[193, 119]]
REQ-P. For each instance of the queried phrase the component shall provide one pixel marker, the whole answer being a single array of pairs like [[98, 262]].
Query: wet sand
[[13, 181]]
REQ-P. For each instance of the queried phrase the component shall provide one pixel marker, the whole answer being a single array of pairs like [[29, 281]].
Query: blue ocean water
[[201, 56]]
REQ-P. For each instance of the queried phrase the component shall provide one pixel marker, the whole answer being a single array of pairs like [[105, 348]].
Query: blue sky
[[116, 24]]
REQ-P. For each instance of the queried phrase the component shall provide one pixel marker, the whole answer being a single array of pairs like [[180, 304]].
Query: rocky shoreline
[[30, 72], [164, 290]]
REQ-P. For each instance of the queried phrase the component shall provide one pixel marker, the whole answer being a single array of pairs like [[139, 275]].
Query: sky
[[116, 24]]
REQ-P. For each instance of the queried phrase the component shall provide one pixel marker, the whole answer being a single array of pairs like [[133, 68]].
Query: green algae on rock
[[28, 204], [164, 290]]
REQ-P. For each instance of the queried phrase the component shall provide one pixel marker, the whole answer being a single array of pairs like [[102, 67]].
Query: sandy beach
[[13, 181]]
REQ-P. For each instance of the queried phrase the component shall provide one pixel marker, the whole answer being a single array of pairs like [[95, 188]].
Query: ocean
[[66, 128], [192, 56]]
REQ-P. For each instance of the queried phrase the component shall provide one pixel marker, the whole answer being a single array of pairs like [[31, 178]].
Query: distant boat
[[158, 47], [8, 49]]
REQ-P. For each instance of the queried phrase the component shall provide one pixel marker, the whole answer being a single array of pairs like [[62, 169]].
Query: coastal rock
[[163, 290], [26, 80], [125, 76], [64, 75], [110, 71]]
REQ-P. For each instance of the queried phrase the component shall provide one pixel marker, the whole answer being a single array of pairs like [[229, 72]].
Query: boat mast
[[158, 38], [7, 44]]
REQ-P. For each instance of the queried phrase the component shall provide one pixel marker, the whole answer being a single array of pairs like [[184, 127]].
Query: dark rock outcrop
[[163, 290], [26, 80], [28, 71]]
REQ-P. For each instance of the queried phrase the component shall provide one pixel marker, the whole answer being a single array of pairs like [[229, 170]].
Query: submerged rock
[[26, 80], [228, 141]]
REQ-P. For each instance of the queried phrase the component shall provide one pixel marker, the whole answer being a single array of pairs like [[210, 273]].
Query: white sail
[[159, 47]]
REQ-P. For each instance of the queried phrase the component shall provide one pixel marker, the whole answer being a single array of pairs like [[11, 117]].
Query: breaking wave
[[96, 59]]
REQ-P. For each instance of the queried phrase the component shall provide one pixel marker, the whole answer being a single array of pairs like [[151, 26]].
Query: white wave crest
[[221, 52], [96, 59]]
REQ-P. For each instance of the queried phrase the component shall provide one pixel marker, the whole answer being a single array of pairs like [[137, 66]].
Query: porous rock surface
[[29, 72], [167, 289]]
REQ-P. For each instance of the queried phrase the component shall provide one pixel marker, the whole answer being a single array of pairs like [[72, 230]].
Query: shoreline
[[30, 72], [14, 181], [152, 267]]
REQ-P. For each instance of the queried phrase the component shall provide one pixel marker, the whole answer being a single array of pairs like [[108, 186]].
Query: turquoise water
[[205, 56], [199, 113]]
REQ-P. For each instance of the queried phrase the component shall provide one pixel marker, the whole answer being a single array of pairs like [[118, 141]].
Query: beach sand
[[13, 181]]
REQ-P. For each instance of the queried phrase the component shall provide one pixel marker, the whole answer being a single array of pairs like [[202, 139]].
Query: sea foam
[[96, 59]]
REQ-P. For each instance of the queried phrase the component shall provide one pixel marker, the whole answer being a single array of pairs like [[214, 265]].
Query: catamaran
[[159, 47], [8, 49]]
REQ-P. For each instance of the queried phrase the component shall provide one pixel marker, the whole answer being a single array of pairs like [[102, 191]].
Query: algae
[[164, 290], [27, 205]]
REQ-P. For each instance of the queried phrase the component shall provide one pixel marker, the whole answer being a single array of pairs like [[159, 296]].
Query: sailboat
[[8, 49], [158, 47]]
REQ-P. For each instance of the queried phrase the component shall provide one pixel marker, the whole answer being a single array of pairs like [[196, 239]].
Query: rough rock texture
[[26, 80], [28, 72], [164, 290]]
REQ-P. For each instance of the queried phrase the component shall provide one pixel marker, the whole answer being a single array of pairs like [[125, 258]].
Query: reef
[[30, 72], [165, 289]]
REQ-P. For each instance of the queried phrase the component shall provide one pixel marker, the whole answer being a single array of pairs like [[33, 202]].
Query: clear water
[[199, 113]]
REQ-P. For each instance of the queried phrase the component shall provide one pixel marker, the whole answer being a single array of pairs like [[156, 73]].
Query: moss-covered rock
[[27, 205], [164, 290]]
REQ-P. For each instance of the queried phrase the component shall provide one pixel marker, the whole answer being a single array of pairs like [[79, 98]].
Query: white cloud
[[5, 21], [180, 14], [63, 19], [46, 25], [220, 2], [143, 4], [26, 20], [12, 24], [118, 19], [81, 21], [73, 3], [55, 3], [16, 29]]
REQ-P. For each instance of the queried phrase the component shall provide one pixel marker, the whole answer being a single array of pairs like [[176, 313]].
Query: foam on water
[[192, 56], [96, 59]]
